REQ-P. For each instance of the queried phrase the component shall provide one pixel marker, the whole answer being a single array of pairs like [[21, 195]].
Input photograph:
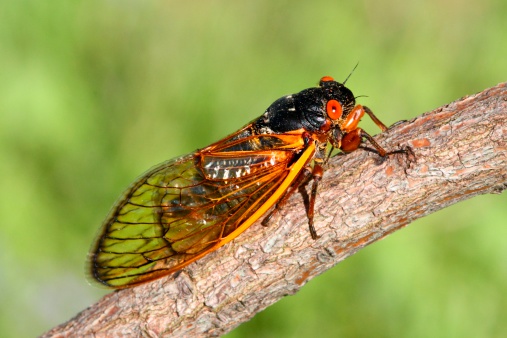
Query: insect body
[[187, 207]]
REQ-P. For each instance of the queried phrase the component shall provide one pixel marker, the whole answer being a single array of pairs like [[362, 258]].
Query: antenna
[[357, 64]]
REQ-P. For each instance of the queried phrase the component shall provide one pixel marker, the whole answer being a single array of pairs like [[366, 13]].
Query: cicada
[[187, 207]]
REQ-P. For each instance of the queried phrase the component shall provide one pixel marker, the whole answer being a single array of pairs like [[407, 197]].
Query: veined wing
[[189, 206]]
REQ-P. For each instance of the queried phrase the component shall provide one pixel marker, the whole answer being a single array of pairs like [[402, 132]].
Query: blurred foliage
[[92, 93]]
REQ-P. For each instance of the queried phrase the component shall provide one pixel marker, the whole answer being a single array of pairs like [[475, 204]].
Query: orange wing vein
[[187, 207]]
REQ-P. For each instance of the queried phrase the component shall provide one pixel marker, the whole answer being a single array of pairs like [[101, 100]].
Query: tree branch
[[460, 151]]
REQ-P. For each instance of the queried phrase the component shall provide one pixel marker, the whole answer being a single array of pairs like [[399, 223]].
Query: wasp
[[187, 207]]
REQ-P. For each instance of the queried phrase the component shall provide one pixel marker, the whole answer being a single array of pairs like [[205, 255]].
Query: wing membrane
[[186, 207]]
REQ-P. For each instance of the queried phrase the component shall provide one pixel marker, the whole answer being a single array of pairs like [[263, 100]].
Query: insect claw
[[407, 150], [381, 159], [410, 155]]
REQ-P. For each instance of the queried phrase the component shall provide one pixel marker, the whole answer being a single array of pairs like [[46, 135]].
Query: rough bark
[[460, 151]]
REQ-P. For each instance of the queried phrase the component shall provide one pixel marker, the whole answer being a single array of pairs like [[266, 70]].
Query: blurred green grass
[[93, 93]]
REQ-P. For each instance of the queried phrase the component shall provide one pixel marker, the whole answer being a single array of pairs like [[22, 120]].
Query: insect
[[187, 207]]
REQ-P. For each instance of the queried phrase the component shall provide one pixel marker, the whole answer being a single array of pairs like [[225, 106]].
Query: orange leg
[[317, 173], [352, 141], [375, 119], [355, 116], [353, 135], [300, 183], [302, 179]]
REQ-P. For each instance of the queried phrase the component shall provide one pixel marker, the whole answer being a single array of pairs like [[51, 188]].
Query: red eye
[[326, 79], [334, 109]]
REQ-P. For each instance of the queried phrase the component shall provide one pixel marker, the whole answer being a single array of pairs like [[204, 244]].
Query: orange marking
[[300, 281], [421, 143], [326, 79], [389, 170]]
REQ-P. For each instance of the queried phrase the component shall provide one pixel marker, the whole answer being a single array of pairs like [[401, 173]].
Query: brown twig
[[460, 151]]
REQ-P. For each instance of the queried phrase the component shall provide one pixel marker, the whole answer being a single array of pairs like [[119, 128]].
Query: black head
[[315, 109]]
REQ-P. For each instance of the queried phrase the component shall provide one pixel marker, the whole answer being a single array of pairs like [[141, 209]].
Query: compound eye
[[334, 109]]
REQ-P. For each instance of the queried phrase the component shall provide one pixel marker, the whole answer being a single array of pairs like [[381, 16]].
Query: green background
[[93, 93]]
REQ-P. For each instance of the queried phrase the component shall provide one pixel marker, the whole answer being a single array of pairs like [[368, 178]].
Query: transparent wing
[[187, 206]]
